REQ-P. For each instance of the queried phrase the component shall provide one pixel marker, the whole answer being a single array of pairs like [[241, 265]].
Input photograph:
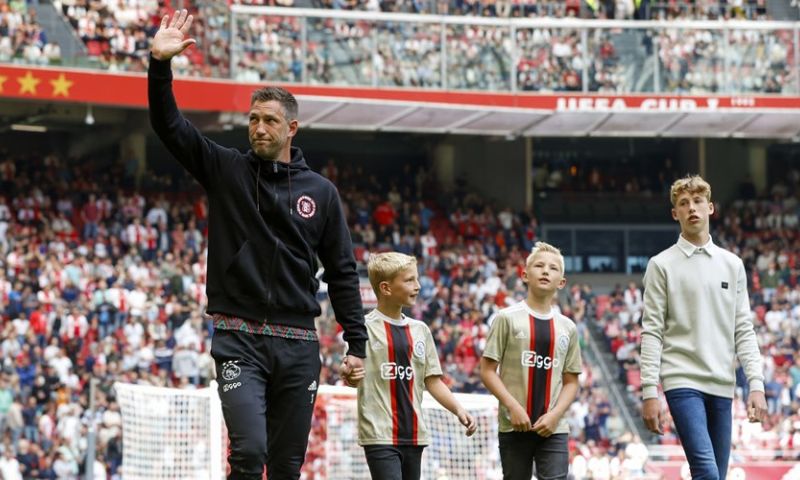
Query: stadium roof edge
[[429, 111]]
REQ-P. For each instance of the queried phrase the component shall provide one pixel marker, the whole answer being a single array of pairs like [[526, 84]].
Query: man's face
[[269, 130], [692, 211]]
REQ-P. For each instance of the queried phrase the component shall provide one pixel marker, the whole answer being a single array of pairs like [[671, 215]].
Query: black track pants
[[268, 386]]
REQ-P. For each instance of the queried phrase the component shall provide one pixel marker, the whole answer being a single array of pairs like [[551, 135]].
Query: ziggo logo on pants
[[231, 386]]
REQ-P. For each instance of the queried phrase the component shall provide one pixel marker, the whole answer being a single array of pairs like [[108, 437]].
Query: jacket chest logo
[[306, 206]]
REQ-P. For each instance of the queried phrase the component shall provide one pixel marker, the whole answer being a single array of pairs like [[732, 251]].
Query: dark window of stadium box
[[562, 238], [600, 251], [643, 244]]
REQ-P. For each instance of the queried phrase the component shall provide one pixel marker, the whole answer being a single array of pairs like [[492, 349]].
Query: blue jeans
[[704, 425]]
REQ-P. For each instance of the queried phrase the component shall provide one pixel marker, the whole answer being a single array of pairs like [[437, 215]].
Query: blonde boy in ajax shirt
[[401, 362], [539, 358]]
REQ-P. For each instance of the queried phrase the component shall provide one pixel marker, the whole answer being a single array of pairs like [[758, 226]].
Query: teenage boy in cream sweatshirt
[[696, 323]]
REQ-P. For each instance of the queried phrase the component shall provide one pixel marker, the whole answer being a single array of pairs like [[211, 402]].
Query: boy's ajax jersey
[[400, 356], [534, 352]]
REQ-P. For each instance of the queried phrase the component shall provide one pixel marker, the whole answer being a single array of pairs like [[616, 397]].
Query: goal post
[[179, 434], [450, 456], [170, 433]]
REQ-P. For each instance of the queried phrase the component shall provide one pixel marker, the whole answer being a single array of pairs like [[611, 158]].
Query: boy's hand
[[520, 420], [468, 421], [352, 372], [546, 424]]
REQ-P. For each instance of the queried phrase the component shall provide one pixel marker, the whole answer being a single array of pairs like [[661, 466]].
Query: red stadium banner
[[130, 90]]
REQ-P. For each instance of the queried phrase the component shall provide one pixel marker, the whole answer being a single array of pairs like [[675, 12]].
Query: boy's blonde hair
[[544, 247], [690, 183], [383, 267]]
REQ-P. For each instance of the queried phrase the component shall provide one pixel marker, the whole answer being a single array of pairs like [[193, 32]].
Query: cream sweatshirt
[[697, 321]]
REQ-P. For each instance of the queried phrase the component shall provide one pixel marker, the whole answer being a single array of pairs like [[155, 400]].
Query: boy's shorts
[[519, 450], [389, 462]]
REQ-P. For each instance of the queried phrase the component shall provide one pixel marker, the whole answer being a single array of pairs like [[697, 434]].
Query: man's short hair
[[383, 267], [545, 247], [693, 184], [280, 95]]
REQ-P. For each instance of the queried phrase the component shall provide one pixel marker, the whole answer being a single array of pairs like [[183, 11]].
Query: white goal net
[[179, 434], [450, 456], [170, 434]]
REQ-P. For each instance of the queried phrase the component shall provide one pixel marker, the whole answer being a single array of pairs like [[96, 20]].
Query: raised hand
[[170, 39]]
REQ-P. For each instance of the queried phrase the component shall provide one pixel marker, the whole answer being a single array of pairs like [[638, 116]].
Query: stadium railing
[[375, 49]]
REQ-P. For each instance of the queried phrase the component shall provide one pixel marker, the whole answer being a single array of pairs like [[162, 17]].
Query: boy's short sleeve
[[573, 362], [432, 365], [496, 340]]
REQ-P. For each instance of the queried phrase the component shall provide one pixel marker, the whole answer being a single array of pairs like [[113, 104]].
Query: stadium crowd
[[105, 279], [117, 36], [22, 38]]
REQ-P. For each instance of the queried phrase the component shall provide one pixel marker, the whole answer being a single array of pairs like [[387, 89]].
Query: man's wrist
[[158, 57], [355, 351], [160, 68]]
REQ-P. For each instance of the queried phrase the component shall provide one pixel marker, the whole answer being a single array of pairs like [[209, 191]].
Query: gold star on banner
[[61, 86], [2, 81], [28, 83]]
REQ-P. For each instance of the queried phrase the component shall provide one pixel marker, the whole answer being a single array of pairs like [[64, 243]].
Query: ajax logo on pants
[[230, 370]]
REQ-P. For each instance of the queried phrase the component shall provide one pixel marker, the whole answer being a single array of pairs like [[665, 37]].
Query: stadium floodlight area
[[179, 434]]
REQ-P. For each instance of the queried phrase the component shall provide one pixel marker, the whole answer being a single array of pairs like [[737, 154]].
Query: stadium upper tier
[[606, 9], [453, 52]]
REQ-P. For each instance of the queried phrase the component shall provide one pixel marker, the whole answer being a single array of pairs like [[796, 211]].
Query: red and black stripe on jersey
[[404, 418], [542, 342]]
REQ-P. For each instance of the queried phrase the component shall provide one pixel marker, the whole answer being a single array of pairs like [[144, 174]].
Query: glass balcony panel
[[339, 52], [479, 58], [409, 54], [268, 48]]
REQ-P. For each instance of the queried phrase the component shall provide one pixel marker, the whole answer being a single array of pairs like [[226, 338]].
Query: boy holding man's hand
[[401, 361]]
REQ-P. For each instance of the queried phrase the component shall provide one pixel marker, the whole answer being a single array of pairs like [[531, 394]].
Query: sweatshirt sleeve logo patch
[[306, 206]]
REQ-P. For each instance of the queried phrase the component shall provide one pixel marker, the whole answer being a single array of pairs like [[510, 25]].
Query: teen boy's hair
[[694, 184], [545, 247], [383, 267]]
